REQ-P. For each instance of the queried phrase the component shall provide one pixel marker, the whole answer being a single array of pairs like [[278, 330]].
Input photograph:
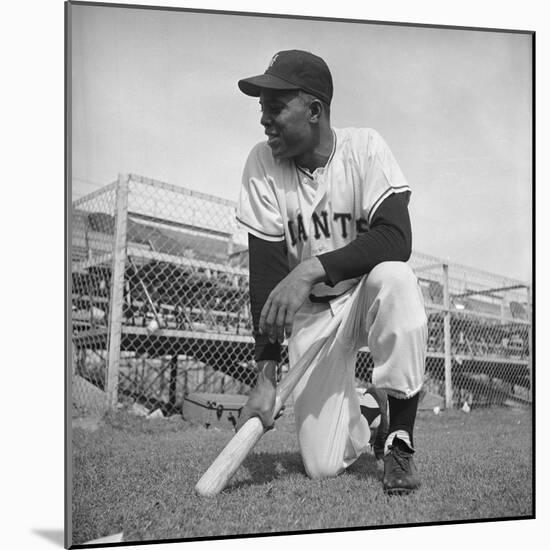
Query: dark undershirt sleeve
[[268, 265], [388, 239]]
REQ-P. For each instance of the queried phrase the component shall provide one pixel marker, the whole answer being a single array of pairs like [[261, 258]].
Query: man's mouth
[[272, 141]]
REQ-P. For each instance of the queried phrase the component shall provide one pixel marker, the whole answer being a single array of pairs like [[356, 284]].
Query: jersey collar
[[321, 169]]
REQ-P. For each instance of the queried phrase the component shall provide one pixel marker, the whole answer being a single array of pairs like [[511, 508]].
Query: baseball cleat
[[400, 474]]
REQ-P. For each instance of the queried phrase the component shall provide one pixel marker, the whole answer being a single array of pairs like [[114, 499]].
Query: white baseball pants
[[384, 311]]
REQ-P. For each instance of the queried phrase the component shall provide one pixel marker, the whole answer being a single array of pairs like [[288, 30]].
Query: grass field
[[137, 476]]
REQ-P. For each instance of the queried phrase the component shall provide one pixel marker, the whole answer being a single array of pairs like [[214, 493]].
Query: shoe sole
[[400, 490]]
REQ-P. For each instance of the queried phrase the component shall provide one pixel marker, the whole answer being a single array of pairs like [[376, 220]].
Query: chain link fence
[[479, 327], [160, 308]]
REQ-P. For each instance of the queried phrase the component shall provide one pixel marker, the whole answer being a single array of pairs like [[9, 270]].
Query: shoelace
[[400, 459]]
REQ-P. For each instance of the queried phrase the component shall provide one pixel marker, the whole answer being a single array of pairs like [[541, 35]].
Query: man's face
[[285, 117]]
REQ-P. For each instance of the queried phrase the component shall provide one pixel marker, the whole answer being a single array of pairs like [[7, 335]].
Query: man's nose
[[265, 119]]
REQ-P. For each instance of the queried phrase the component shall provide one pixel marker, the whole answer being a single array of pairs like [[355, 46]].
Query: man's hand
[[261, 400], [287, 297]]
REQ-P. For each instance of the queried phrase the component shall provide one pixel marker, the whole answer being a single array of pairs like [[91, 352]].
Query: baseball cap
[[292, 70]]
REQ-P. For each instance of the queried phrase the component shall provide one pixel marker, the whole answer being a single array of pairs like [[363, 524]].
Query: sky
[[154, 92]]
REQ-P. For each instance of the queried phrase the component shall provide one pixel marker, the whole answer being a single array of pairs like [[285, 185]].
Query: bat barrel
[[230, 459], [232, 456]]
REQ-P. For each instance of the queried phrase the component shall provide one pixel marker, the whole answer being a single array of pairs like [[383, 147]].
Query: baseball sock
[[402, 417]]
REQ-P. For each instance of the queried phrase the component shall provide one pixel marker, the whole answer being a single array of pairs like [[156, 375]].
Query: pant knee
[[393, 275], [398, 301], [319, 470]]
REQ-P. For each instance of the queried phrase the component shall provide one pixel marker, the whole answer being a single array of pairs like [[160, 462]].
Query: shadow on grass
[[366, 466], [266, 467]]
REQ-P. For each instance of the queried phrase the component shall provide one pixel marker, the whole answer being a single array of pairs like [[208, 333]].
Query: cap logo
[[292, 70]]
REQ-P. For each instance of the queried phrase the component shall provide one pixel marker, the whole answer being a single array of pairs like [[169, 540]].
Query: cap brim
[[253, 86]]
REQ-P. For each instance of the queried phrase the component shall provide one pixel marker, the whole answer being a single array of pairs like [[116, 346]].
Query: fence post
[[117, 289], [447, 339]]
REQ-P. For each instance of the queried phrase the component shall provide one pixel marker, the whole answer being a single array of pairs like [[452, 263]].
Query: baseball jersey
[[324, 210]]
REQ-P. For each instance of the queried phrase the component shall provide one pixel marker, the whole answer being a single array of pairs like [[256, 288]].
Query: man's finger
[[280, 324], [289, 321], [288, 329], [246, 413], [244, 416], [267, 420], [270, 327], [263, 315]]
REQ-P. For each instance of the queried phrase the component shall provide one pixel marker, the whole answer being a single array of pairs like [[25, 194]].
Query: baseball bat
[[232, 456]]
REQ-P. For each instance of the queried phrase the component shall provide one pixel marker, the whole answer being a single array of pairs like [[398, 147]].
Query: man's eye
[[272, 110]]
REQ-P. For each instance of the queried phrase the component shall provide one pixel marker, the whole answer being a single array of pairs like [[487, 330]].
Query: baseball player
[[326, 211]]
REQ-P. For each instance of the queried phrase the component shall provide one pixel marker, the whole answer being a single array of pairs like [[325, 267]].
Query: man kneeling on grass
[[326, 210]]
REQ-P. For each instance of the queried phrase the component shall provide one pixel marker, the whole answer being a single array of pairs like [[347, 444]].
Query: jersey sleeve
[[382, 175], [258, 209]]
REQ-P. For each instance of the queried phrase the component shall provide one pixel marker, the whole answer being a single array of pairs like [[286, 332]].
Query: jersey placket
[[321, 176], [308, 206], [321, 179]]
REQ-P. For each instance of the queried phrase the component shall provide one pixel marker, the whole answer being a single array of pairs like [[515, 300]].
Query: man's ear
[[315, 110]]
